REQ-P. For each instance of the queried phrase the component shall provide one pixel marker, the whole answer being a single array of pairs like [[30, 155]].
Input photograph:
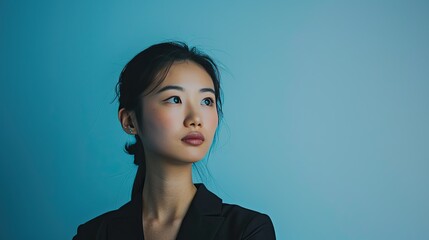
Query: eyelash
[[173, 98], [211, 101]]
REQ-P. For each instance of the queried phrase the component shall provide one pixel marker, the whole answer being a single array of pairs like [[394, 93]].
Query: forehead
[[187, 74]]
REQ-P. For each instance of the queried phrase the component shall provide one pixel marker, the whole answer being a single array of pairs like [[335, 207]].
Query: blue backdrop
[[326, 111]]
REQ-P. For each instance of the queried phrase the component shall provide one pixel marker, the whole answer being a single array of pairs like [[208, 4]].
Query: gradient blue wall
[[326, 111]]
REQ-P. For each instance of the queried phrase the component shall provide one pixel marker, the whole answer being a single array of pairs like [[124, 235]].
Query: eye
[[174, 100], [207, 101]]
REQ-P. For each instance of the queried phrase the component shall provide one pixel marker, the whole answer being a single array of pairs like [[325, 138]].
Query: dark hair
[[143, 74]]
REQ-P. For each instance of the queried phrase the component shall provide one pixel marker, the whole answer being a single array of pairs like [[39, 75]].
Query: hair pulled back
[[143, 74]]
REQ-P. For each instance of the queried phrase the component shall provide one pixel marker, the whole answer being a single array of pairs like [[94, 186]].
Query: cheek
[[212, 122], [158, 124]]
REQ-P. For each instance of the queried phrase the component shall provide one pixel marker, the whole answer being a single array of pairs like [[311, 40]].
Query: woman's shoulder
[[91, 228], [250, 222], [240, 212], [235, 221]]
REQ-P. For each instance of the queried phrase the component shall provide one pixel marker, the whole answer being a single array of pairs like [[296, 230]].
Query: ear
[[126, 120]]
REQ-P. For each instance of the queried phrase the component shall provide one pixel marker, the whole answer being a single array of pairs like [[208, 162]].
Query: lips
[[193, 138]]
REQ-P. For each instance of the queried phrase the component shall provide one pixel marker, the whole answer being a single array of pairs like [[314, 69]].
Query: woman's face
[[179, 118]]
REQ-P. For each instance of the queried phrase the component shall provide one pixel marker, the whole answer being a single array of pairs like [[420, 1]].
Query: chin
[[192, 158], [192, 155], [185, 157]]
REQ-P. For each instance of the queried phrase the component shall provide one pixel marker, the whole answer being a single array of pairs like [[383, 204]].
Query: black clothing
[[206, 219]]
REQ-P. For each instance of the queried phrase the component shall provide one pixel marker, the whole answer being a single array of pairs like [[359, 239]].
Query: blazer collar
[[201, 221]]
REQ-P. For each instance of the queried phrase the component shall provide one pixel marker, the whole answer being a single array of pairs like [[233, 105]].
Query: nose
[[193, 118]]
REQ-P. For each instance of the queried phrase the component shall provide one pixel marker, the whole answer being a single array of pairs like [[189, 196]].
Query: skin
[[167, 117]]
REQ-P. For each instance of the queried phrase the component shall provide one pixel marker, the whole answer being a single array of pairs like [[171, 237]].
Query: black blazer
[[206, 219]]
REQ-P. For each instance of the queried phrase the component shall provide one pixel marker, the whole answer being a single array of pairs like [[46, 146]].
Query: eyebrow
[[207, 90], [173, 87], [169, 87]]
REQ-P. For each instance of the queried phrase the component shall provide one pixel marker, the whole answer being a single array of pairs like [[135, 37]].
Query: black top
[[206, 219]]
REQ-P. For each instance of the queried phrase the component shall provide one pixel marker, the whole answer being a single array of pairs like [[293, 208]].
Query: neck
[[167, 192]]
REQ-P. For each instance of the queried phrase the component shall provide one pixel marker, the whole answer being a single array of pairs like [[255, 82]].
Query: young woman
[[169, 99]]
